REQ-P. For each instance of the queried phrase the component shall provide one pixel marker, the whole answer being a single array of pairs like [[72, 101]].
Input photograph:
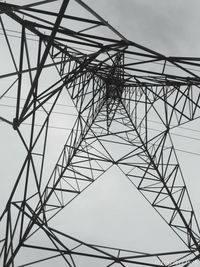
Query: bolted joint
[[15, 123]]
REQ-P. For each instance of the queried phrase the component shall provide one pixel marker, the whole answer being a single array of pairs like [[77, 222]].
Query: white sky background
[[111, 212]]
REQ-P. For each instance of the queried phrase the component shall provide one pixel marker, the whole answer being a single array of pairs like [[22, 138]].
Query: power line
[[71, 106], [90, 50], [50, 103], [55, 112], [69, 129], [153, 129]]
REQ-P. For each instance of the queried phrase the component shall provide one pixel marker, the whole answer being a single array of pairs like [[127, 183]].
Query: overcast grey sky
[[110, 211], [171, 27]]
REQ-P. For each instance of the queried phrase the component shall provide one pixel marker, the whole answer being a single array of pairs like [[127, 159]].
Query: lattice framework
[[116, 97]]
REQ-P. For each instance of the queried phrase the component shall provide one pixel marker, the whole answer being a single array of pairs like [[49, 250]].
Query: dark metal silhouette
[[117, 87]]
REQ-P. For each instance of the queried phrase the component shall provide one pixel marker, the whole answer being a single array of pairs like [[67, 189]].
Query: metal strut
[[117, 87]]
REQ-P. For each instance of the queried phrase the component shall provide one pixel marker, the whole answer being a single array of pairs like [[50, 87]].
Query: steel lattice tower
[[117, 90]]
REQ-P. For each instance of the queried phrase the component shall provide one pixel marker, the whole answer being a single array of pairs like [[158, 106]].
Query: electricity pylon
[[117, 87]]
